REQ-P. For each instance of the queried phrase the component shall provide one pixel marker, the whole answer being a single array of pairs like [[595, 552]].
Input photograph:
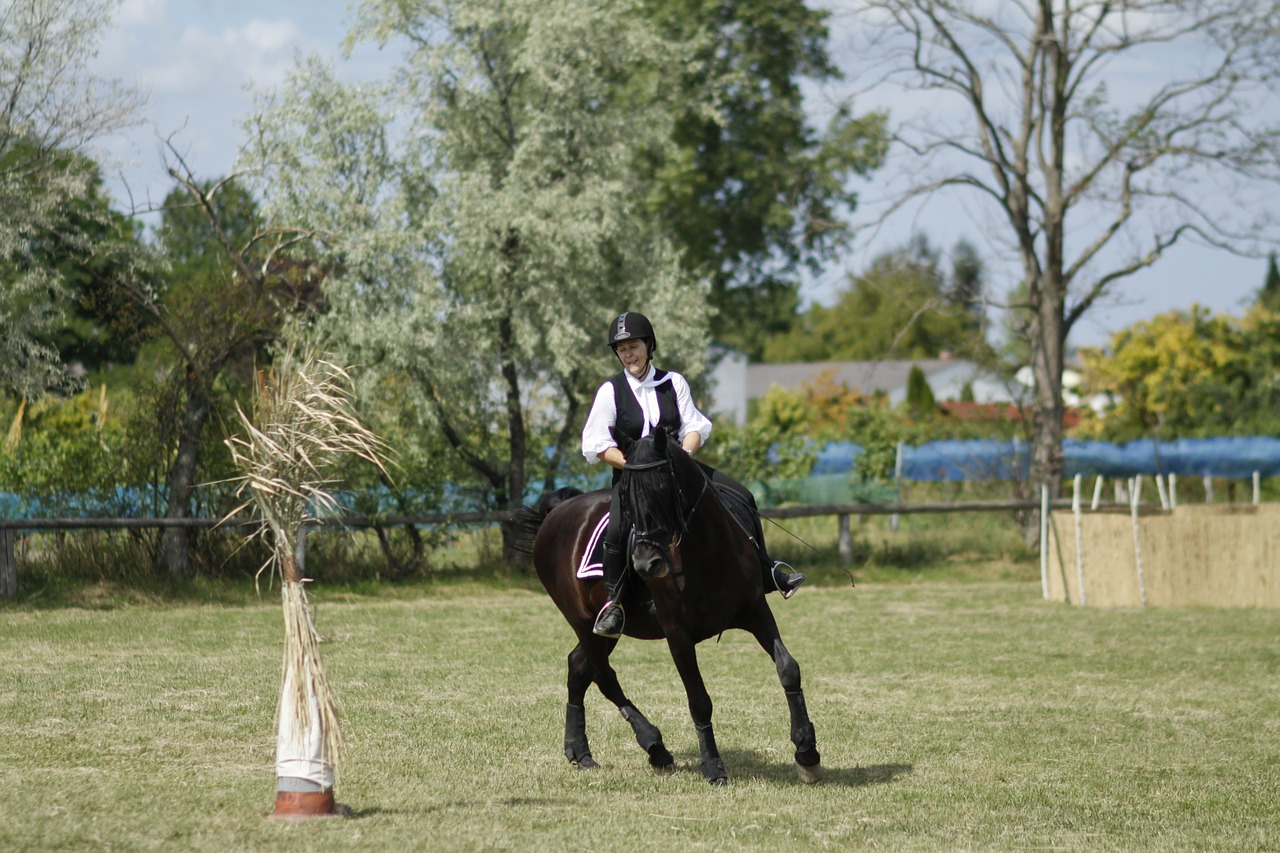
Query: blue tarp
[[1230, 458], [953, 461]]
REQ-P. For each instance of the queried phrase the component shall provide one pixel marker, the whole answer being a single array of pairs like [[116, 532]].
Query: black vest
[[630, 419]]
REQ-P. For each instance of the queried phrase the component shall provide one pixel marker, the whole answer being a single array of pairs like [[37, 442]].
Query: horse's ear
[[660, 441], [624, 442]]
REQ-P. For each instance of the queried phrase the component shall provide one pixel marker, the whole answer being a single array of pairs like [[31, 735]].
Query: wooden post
[[897, 482], [1208, 489], [1257, 488], [1097, 492], [8, 566], [844, 539]]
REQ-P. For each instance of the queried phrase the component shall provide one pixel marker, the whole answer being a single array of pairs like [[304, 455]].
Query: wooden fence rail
[[9, 527]]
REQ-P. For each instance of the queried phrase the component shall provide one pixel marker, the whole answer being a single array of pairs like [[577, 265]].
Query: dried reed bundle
[[303, 423]]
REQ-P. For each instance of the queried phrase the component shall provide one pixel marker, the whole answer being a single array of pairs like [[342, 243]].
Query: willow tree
[[484, 209], [52, 109], [1094, 137]]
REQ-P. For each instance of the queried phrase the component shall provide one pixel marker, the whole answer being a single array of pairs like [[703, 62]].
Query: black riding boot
[[611, 619], [776, 577]]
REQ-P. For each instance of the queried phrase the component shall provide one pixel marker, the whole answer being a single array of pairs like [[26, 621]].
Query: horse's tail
[[528, 519]]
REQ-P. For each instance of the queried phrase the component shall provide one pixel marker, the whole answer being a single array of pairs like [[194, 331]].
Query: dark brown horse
[[700, 576]]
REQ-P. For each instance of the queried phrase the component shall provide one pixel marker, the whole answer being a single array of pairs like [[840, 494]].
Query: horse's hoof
[[586, 762], [660, 758], [809, 775], [718, 781]]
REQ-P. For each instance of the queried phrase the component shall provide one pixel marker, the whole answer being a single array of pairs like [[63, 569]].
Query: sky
[[198, 59]]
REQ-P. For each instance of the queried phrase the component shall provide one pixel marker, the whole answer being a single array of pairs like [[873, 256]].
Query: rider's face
[[634, 356]]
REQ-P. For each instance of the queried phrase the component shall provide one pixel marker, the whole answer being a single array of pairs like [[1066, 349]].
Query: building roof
[[867, 377]]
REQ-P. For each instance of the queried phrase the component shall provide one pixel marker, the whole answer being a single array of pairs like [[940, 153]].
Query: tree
[[100, 327], [1186, 374], [51, 109], [750, 193], [223, 294], [920, 401], [1033, 114], [486, 248], [1269, 296], [901, 307]]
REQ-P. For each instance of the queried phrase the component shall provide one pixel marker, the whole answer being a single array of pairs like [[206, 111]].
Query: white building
[[735, 382]]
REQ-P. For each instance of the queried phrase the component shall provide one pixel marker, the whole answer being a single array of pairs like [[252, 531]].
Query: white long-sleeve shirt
[[603, 415]]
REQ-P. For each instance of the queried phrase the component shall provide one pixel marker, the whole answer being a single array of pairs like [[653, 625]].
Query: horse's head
[[653, 497]]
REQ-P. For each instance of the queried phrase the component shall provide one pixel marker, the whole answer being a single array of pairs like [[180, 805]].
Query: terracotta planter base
[[306, 805]]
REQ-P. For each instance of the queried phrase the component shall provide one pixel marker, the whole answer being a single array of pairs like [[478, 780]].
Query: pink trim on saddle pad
[[588, 569]]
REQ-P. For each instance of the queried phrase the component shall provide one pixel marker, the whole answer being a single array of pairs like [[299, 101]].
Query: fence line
[[9, 527]]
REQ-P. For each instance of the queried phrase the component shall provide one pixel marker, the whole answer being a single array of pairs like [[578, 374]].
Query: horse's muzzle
[[649, 562]]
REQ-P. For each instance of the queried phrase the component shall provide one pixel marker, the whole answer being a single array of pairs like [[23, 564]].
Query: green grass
[[950, 716]]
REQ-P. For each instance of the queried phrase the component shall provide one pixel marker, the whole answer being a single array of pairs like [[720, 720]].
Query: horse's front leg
[[686, 658], [765, 630], [590, 662]]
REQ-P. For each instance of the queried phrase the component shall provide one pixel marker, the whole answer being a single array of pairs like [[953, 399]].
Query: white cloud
[[200, 62], [140, 12]]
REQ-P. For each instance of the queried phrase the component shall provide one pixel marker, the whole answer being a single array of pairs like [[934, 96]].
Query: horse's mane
[[648, 488]]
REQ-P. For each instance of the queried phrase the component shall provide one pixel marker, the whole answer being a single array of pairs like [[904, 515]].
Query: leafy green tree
[[51, 109], [1269, 296], [919, 400], [1187, 373], [221, 291], [100, 327], [751, 193], [901, 307], [486, 248]]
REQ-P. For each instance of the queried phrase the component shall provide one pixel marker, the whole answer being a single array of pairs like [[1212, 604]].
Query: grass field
[[950, 716]]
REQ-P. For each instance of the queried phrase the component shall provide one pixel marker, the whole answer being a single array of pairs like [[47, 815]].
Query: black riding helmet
[[630, 325]]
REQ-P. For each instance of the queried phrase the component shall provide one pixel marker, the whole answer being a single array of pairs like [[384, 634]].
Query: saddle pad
[[739, 510], [592, 565]]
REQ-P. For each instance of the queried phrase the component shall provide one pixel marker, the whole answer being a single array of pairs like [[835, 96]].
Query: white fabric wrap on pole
[[1044, 540], [1075, 511], [300, 749], [1137, 545]]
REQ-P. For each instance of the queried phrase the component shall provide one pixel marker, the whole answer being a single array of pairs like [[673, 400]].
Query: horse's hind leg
[[765, 630], [576, 748]]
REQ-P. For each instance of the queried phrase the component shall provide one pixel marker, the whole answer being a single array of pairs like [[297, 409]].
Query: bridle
[[650, 537]]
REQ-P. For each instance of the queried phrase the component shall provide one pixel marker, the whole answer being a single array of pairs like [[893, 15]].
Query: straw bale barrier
[[1208, 555]]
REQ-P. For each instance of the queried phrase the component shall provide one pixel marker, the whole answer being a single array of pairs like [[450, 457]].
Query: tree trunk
[[518, 444], [175, 552], [1048, 348]]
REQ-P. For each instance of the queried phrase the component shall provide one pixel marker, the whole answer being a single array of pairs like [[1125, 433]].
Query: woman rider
[[636, 401]]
